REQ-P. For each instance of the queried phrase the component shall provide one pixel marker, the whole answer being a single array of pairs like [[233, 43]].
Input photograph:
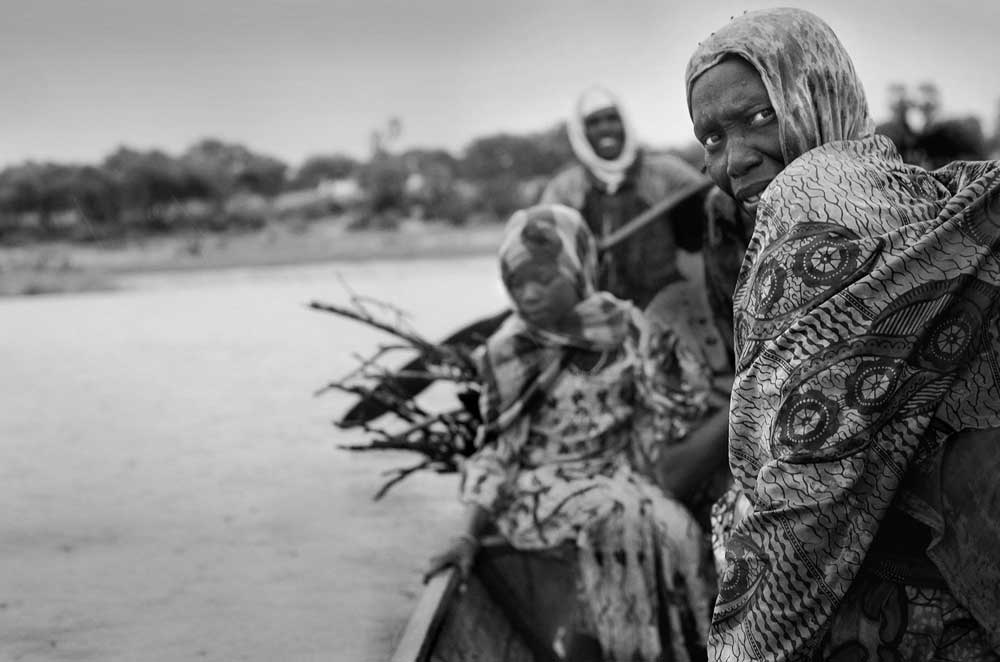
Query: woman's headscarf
[[609, 172], [814, 89], [867, 335], [522, 359]]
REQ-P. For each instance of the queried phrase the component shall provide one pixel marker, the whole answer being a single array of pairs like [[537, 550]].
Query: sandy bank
[[64, 267]]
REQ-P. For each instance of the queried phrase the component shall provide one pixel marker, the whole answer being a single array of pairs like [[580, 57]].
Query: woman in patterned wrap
[[573, 418], [864, 415]]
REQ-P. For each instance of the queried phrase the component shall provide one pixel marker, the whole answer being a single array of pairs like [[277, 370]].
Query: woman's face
[[542, 294], [605, 132], [734, 121]]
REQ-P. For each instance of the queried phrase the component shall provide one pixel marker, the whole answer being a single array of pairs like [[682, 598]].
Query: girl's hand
[[459, 554]]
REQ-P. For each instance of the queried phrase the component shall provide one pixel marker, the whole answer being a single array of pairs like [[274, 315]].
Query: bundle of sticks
[[443, 438], [386, 408]]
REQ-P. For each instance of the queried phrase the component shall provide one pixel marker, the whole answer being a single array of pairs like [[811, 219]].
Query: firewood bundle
[[386, 407]]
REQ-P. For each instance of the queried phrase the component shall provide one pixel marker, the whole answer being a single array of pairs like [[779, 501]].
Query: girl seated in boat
[[574, 412]]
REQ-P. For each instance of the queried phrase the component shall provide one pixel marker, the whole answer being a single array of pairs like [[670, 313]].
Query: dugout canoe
[[510, 610]]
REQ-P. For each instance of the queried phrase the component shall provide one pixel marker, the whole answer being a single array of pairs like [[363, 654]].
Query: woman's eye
[[762, 116], [711, 140]]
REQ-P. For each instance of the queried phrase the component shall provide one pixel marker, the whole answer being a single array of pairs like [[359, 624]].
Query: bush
[[318, 169]]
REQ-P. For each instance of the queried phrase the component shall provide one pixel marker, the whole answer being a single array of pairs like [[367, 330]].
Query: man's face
[[605, 132]]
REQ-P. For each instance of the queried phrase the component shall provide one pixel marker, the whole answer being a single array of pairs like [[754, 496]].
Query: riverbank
[[62, 267]]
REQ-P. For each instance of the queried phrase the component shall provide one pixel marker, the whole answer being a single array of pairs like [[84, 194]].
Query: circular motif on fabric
[[826, 261], [872, 385], [950, 339], [746, 566], [769, 286], [741, 332], [806, 419]]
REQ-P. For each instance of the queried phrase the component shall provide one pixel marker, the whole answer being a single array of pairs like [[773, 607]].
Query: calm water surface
[[172, 490]]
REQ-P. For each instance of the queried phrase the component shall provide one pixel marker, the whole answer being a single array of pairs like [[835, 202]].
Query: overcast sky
[[301, 77]]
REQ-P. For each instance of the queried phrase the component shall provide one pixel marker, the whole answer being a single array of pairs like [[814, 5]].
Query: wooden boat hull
[[510, 610]]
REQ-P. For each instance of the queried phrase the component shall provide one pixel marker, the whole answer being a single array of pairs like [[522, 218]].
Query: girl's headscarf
[[610, 173], [814, 89], [522, 359]]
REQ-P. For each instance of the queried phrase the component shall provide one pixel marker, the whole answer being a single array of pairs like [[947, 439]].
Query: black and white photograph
[[551, 331]]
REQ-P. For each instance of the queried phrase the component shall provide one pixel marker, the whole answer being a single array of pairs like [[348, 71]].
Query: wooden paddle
[[475, 333]]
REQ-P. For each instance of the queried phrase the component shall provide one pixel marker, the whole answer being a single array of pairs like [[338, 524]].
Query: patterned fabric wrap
[[617, 415], [611, 173], [914, 623], [866, 333], [570, 471], [572, 448], [865, 336], [814, 89], [522, 359]]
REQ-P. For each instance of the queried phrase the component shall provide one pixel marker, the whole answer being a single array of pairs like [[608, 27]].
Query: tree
[[517, 156], [231, 167], [21, 190], [94, 195], [925, 138], [41, 188], [384, 181], [321, 168], [432, 184], [148, 179], [499, 164], [953, 139], [928, 103], [384, 176], [993, 144]]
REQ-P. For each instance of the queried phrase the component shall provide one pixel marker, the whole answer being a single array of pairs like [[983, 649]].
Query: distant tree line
[[925, 138], [217, 186]]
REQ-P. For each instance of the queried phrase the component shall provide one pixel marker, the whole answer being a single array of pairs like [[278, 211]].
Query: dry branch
[[443, 438]]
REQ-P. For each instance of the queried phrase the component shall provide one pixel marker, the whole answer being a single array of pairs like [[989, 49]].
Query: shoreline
[[67, 268]]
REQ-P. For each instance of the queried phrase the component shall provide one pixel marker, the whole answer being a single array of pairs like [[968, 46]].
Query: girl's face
[[542, 294], [736, 124]]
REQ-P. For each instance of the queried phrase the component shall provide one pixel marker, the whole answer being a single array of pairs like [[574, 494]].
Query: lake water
[[173, 491]]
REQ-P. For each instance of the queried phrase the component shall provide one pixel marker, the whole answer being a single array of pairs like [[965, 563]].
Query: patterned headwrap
[[610, 173], [522, 359], [867, 319], [815, 91]]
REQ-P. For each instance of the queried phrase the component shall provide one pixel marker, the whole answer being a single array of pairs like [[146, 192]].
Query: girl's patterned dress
[[573, 479]]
